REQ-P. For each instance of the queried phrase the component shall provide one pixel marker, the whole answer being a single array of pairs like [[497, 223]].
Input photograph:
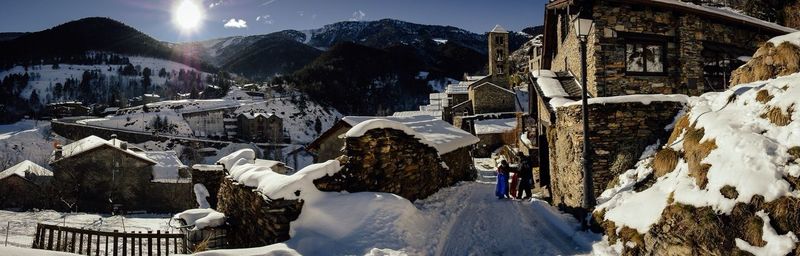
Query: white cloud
[[266, 19], [234, 23], [358, 16], [268, 2], [214, 4]]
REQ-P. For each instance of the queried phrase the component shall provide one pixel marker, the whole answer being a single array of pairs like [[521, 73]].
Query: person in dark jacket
[[525, 173], [501, 190]]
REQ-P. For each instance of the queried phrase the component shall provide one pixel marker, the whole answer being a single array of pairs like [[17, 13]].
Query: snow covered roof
[[435, 132], [792, 38], [208, 167], [167, 164], [495, 126], [492, 84], [498, 29], [254, 115], [417, 113], [457, 89], [24, 167], [93, 142], [641, 98], [474, 78], [722, 13]]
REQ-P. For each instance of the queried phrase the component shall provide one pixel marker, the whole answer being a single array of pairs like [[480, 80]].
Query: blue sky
[[154, 17]]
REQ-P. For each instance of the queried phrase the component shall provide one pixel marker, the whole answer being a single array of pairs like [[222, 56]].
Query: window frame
[[645, 41]]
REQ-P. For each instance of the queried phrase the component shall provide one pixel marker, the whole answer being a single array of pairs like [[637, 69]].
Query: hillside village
[[645, 127]]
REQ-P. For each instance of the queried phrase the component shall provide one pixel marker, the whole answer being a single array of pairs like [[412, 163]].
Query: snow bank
[[776, 244], [201, 218], [269, 250], [331, 219], [18, 251], [495, 126], [792, 38], [228, 161], [442, 136], [201, 194]]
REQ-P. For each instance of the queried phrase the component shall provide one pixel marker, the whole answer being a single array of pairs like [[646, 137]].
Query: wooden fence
[[92, 242]]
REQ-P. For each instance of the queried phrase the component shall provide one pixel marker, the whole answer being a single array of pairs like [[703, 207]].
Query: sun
[[187, 15]]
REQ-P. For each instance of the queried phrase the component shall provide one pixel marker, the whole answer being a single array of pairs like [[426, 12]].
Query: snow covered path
[[477, 223]]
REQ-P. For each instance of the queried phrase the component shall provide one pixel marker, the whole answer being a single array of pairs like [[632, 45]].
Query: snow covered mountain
[[283, 52]]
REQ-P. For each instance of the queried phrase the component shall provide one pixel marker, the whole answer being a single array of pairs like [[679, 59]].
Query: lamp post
[[582, 28]]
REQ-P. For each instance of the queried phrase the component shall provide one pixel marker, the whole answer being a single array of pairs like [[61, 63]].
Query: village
[[603, 114]]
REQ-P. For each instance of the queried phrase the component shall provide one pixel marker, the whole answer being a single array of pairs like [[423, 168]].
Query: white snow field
[[23, 224], [26, 140]]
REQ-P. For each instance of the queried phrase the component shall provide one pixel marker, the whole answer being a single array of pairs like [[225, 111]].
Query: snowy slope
[[48, 77], [26, 140]]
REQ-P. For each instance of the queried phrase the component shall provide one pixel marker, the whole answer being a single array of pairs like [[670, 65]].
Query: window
[[498, 40], [564, 26], [647, 58]]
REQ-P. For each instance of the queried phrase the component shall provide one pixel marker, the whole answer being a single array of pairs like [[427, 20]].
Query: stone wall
[[255, 220], [331, 145], [684, 35], [212, 180], [74, 131], [568, 55], [388, 160], [17, 192], [618, 132], [169, 197], [492, 99]]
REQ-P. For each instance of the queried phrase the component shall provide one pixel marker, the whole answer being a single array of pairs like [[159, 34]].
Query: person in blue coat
[[501, 191]]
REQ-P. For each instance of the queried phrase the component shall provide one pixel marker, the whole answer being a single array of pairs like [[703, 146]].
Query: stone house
[[331, 144], [260, 127], [25, 185], [638, 53], [105, 175], [206, 123]]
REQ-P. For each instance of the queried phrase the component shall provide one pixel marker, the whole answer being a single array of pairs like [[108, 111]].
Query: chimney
[[123, 145], [58, 153], [113, 136]]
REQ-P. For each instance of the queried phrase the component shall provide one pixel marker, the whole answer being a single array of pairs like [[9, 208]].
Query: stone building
[[498, 51], [260, 127], [206, 123], [638, 54], [100, 175], [331, 144], [25, 185]]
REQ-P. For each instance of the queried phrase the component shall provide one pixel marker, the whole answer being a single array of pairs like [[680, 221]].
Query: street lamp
[[582, 28]]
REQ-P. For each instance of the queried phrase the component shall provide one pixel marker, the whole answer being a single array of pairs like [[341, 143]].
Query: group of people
[[521, 179]]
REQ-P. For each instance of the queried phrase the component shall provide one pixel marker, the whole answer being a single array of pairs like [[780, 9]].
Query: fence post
[[140, 243], [115, 242], [149, 243], [124, 244], [50, 240], [58, 240], [8, 227], [80, 244], [158, 242], [72, 243]]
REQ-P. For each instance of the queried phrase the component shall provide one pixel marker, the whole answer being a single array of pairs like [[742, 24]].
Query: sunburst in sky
[[188, 15]]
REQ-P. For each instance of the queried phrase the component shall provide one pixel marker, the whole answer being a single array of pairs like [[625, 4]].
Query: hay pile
[[769, 61]]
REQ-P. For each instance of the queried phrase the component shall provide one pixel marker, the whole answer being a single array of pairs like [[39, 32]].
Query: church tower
[[498, 51]]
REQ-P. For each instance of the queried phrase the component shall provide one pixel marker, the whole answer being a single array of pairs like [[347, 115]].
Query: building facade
[[260, 127]]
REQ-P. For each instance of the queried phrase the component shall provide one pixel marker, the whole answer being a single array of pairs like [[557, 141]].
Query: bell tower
[[498, 51]]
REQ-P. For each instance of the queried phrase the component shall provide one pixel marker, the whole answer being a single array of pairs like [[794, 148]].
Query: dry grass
[[778, 117], [665, 162], [695, 152], [769, 62], [682, 123], [795, 152], [787, 58], [763, 96], [627, 234], [202, 245], [729, 192]]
